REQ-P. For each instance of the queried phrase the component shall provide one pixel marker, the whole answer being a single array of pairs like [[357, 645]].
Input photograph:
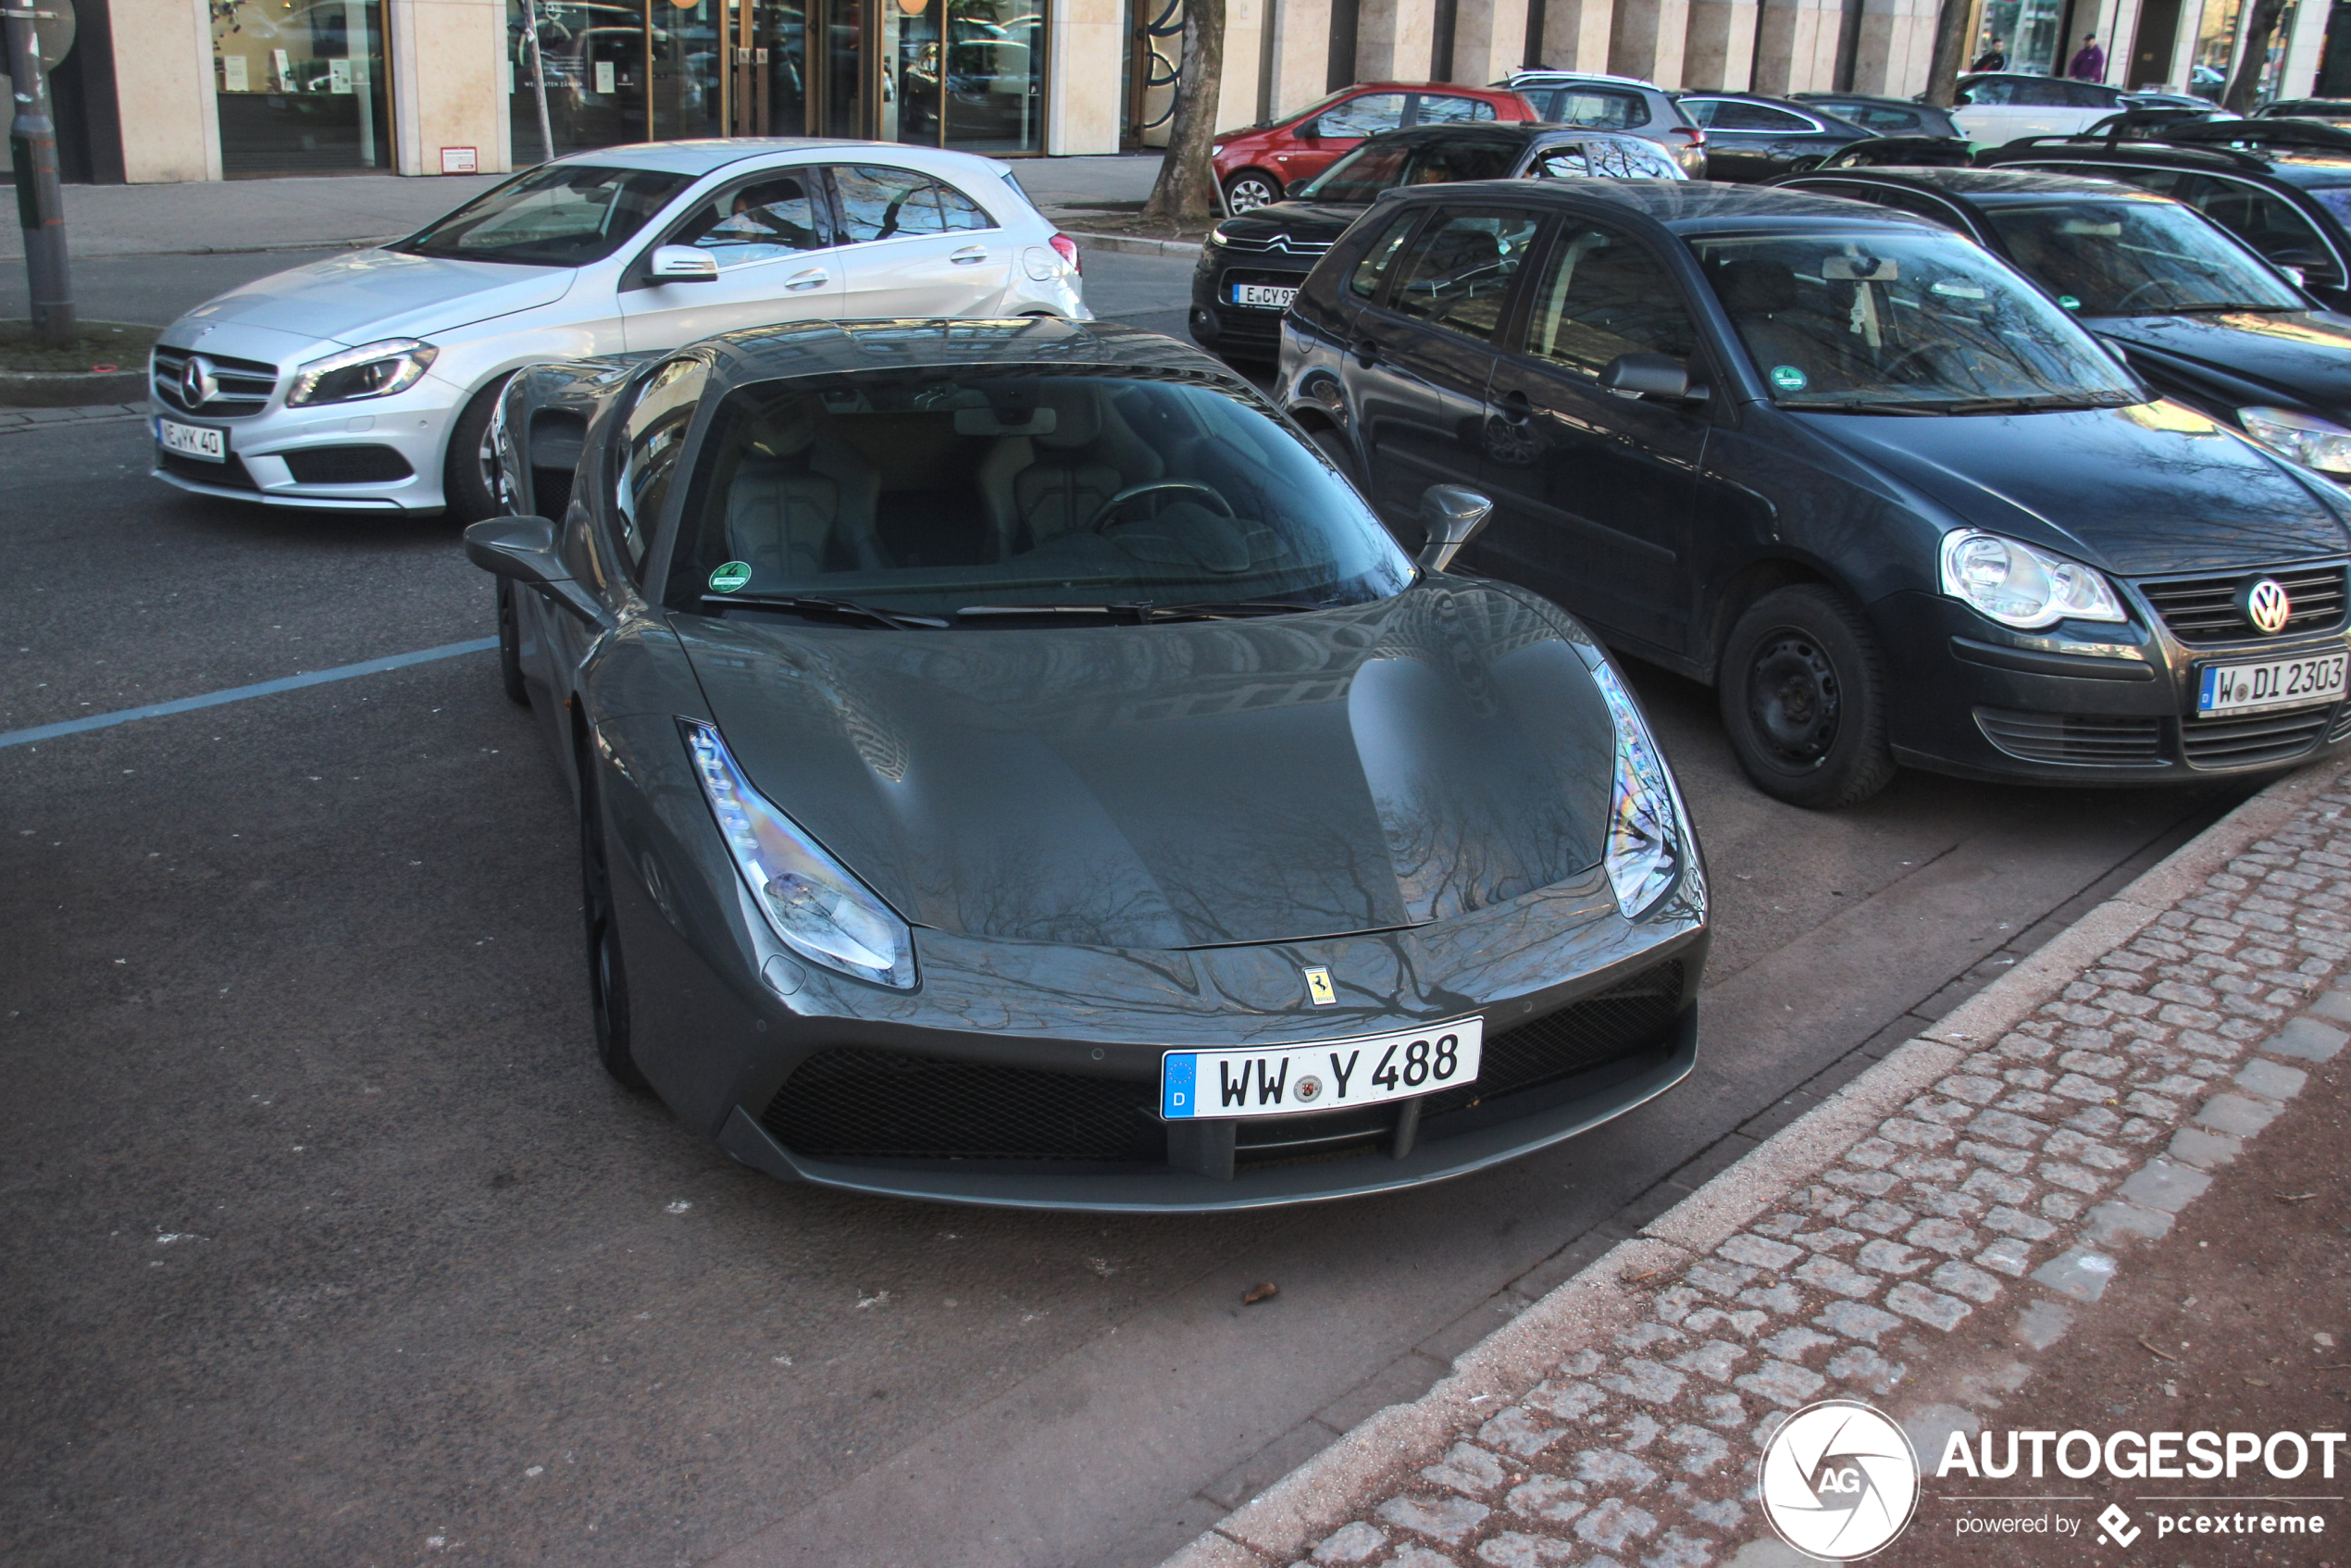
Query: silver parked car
[[368, 381]]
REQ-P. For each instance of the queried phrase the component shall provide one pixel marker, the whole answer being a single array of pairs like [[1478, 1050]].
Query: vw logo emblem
[[197, 383], [2266, 605]]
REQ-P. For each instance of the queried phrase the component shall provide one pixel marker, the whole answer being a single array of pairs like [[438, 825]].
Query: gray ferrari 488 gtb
[[1014, 767]]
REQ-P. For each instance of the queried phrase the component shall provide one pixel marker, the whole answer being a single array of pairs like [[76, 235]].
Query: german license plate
[[2281, 683], [192, 440], [1263, 295], [1325, 1077]]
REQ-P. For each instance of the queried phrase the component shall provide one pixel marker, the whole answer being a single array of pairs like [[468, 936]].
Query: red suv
[[1258, 165]]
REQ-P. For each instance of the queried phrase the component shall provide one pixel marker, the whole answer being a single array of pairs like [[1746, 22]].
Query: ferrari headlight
[[1648, 847], [2305, 438], [371, 370], [2019, 586], [821, 912]]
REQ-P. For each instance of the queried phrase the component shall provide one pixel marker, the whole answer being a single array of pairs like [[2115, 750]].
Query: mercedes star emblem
[[2265, 603], [197, 384]]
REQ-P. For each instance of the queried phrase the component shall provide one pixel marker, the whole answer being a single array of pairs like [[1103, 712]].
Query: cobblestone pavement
[[32, 418], [2017, 1183]]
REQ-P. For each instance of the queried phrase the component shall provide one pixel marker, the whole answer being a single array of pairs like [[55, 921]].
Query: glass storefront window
[[995, 87], [300, 87], [2216, 41]]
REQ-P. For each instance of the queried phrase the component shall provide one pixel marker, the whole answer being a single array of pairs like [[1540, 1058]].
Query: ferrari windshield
[[940, 492], [2135, 258], [563, 215], [1896, 320]]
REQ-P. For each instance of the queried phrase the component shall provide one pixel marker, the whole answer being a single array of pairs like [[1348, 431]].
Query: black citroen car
[[1884, 493], [1254, 261], [2200, 316]]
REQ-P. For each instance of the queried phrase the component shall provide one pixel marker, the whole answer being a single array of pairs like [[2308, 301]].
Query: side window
[[655, 436], [2266, 221], [1458, 273], [1444, 162], [1603, 294], [2041, 94], [1364, 282], [776, 216], [1624, 159], [2089, 95], [1993, 92], [1449, 111], [882, 203], [1598, 110], [1366, 116], [1700, 110], [1731, 115]]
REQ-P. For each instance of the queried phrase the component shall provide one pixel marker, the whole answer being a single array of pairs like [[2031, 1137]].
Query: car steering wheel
[[1103, 513], [2123, 304]]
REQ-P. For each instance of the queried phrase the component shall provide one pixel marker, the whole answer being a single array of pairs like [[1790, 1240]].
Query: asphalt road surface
[[326, 1241]]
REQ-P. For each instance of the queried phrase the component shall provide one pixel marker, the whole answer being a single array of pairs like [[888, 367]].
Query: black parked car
[[2201, 318], [1885, 117], [2283, 186], [2334, 111], [1884, 493], [1749, 137], [1254, 261]]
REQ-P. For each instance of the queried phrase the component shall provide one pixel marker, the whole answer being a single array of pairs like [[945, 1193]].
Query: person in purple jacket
[[2089, 61]]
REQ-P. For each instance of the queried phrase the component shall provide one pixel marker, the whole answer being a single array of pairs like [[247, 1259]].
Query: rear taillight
[[1069, 249], [1697, 137]]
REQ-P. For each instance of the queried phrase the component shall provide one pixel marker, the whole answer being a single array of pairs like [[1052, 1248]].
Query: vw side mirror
[[1648, 375], [523, 550], [1453, 515], [683, 264]]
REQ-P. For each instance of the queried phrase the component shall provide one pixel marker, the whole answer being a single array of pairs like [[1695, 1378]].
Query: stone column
[[1489, 40], [2305, 43], [1301, 53], [1798, 46], [1646, 40], [163, 78], [1244, 48], [1719, 49], [1896, 48], [1576, 33], [448, 86], [1086, 47], [1394, 40]]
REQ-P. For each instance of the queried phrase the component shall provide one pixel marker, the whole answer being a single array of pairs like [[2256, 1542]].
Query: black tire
[[607, 972], [1803, 695], [510, 647], [468, 487], [1250, 188]]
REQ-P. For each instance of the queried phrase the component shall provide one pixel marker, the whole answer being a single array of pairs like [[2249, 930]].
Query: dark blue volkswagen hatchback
[[1851, 469]]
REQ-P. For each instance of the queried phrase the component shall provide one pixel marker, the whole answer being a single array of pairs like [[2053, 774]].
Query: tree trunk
[[1950, 51], [2263, 22], [1186, 192]]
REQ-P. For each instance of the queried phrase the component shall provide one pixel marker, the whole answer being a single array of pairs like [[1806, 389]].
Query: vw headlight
[[2019, 586], [2305, 438], [369, 371], [821, 912], [1649, 846]]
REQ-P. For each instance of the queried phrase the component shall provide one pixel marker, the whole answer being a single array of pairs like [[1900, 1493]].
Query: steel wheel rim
[[1794, 702]]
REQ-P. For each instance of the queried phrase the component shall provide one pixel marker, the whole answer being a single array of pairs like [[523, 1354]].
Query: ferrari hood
[[2150, 487], [1196, 784], [368, 296]]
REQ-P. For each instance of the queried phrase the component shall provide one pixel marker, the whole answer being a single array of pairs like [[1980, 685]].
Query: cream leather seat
[[1038, 488], [800, 508]]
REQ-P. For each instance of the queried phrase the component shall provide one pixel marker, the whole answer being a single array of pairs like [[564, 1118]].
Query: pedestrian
[[1994, 59], [2089, 61]]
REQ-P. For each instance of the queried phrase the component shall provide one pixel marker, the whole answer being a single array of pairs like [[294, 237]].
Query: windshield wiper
[[1864, 405], [808, 605], [1143, 612], [2043, 403], [2235, 308]]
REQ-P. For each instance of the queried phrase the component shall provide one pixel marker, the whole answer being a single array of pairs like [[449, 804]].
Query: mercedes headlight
[[369, 371], [2021, 586], [2305, 438], [1649, 844], [821, 912]]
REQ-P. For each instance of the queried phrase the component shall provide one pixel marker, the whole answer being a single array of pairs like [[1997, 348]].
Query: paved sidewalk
[[1918, 1241], [301, 213]]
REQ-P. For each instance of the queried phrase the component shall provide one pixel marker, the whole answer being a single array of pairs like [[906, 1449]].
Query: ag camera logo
[[1839, 1481]]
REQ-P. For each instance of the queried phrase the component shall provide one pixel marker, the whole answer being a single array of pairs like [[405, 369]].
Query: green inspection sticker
[[1787, 378], [730, 577], [2069, 302]]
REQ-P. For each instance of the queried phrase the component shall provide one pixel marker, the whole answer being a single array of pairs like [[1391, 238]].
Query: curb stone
[[43, 419], [1133, 245], [1928, 1093]]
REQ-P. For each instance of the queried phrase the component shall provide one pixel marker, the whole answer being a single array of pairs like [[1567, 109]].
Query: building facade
[[180, 90]]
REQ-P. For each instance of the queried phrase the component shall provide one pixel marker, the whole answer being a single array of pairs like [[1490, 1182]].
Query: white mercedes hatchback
[[367, 382]]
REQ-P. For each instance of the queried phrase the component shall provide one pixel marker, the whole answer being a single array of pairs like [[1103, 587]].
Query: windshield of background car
[[2135, 258], [2329, 183], [566, 215], [930, 491], [1362, 174], [1915, 319]]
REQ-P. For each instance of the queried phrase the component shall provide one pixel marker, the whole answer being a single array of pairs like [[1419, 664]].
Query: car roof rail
[[2027, 147], [2282, 131]]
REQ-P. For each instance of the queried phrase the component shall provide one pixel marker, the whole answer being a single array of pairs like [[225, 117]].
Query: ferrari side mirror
[[523, 550], [1453, 515]]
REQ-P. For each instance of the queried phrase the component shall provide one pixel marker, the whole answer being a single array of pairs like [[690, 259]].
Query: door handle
[[1514, 406], [1366, 353], [969, 256], [807, 279]]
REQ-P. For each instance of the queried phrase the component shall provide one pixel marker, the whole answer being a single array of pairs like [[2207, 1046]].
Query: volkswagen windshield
[[1904, 322]]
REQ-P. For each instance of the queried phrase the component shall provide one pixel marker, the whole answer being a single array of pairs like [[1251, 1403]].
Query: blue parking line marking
[[239, 693]]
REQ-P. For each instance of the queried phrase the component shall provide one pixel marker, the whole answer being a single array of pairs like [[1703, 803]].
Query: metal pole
[[41, 208], [539, 79]]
